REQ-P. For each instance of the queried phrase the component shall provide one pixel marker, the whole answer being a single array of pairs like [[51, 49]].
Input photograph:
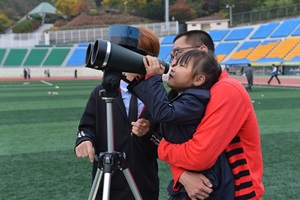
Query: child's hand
[[152, 65]]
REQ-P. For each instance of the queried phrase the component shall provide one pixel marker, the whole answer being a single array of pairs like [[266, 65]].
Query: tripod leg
[[95, 185], [132, 184], [106, 186]]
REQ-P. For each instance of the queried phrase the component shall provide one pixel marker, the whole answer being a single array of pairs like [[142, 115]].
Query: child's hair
[[203, 63]]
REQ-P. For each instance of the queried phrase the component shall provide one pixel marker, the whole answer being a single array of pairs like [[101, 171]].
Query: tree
[[181, 11], [120, 4], [154, 9], [245, 5], [98, 3], [5, 22], [70, 8]]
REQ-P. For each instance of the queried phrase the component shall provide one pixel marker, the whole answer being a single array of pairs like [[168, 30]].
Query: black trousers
[[272, 78]]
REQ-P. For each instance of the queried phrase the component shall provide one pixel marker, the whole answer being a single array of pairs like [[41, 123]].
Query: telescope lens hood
[[101, 53], [88, 56]]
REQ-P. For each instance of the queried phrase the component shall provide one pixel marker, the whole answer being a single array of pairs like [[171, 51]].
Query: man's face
[[180, 46]]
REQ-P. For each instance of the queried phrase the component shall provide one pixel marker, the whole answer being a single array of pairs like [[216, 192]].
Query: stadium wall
[[62, 72]]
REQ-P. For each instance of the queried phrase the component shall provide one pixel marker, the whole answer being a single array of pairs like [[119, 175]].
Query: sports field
[[38, 132]]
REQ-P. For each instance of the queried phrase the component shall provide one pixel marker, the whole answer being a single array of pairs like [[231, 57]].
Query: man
[[229, 125], [141, 152], [274, 74], [249, 75]]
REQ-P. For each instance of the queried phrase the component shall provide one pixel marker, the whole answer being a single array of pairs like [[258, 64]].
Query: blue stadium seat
[[77, 58], [286, 28], [269, 41], [248, 44], [83, 44], [296, 32], [238, 34], [165, 51], [168, 39], [264, 30], [225, 47], [218, 35]]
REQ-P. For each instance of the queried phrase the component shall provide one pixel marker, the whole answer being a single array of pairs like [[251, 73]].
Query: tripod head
[[110, 83]]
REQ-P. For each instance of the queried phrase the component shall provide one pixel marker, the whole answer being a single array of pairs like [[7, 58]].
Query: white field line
[[47, 83]]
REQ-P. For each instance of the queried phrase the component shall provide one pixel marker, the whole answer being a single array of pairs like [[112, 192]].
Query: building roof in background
[[208, 18], [43, 8]]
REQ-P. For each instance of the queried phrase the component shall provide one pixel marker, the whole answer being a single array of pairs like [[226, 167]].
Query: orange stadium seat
[[263, 49], [284, 47]]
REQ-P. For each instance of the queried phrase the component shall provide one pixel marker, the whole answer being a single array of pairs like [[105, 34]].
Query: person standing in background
[[75, 73], [25, 73], [274, 74], [28, 72], [249, 75]]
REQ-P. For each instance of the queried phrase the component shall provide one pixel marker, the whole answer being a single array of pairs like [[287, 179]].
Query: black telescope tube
[[110, 56]]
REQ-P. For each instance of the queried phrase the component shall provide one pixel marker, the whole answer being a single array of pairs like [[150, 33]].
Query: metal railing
[[78, 35], [260, 16]]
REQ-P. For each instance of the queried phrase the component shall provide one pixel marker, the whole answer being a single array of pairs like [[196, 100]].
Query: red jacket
[[229, 124]]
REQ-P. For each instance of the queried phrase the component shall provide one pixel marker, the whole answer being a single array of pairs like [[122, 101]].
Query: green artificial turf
[[38, 133]]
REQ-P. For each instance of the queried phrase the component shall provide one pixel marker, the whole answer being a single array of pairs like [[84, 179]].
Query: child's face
[[180, 77]]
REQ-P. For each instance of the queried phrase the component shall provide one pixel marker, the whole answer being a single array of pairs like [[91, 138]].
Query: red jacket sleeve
[[224, 116], [176, 173]]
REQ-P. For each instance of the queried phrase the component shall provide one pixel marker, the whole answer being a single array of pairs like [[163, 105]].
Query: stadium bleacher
[[296, 32], [2, 53], [223, 49], [245, 49], [83, 44], [77, 58], [264, 30], [286, 28], [15, 57], [35, 57], [293, 53], [218, 35], [284, 47], [263, 49], [238, 34], [56, 57], [165, 51], [168, 39], [264, 43]]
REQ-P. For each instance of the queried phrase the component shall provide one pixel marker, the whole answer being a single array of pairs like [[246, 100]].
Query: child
[[181, 111]]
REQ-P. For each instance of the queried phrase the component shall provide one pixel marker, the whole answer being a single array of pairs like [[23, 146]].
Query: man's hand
[[196, 185], [85, 149], [140, 127]]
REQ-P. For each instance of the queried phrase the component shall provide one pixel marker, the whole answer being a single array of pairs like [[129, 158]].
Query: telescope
[[104, 55]]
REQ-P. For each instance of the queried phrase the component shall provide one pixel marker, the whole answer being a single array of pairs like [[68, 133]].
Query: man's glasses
[[176, 53]]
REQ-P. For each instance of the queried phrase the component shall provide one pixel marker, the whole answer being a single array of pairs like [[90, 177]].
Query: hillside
[[104, 19]]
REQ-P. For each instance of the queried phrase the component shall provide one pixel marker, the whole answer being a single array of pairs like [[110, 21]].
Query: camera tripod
[[111, 159]]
